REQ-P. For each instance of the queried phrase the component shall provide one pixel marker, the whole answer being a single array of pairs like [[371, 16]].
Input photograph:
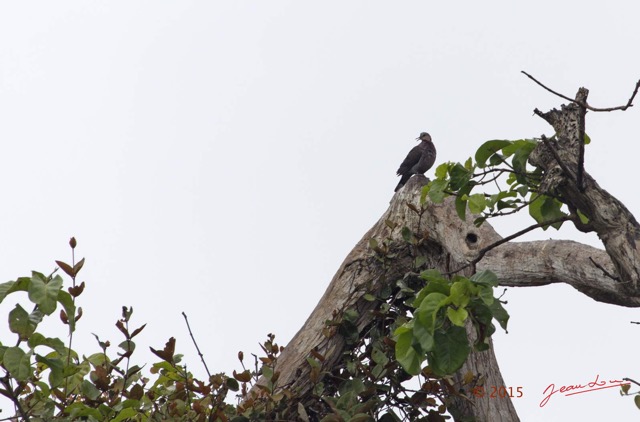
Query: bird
[[418, 161]]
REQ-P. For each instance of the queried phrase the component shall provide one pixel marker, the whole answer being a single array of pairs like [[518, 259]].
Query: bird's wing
[[412, 158], [428, 158]]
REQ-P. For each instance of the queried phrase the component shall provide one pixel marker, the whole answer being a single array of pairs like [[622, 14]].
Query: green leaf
[[523, 190], [22, 284], [512, 148], [481, 312], [478, 221], [461, 206], [408, 235], [98, 359], [583, 218], [434, 285], [127, 346], [485, 277], [487, 149], [406, 355], [460, 176], [451, 351], [436, 191], [486, 295], [349, 331], [20, 323], [545, 208], [369, 297], [462, 198], [423, 340], [89, 390], [419, 261], [520, 158], [18, 363], [442, 170], [500, 314], [232, 384], [460, 292], [428, 309], [38, 339], [44, 293], [432, 275], [457, 316], [80, 411], [496, 159], [379, 357], [587, 141], [481, 346], [477, 203], [125, 414]]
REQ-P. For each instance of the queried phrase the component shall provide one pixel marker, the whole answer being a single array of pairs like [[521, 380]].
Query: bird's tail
[[402, 181]]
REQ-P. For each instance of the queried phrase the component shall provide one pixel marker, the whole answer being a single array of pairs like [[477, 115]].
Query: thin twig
[[584, 104], [13, 396], [630, 380], [196, 344], [547, 88], [483, 173], [606, 273], [513, 211]]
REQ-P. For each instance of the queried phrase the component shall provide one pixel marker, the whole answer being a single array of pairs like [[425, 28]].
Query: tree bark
[[538, 263]]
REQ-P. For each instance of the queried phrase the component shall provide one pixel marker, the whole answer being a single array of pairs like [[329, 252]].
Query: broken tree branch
[[584, 104], [610, 219]]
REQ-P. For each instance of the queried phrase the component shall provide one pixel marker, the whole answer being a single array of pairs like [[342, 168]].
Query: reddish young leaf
[[123, 329], [317, 355], [166, 353], [244, 376], [77, 290], [137, 331], [78, 266], [66, 268], [63, 317]]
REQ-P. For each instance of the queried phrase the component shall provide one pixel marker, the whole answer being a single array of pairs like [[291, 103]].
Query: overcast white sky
[[222, 158]]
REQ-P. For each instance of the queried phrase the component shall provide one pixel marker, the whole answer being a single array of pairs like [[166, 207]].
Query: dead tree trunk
[[610, 276], [452, 243]]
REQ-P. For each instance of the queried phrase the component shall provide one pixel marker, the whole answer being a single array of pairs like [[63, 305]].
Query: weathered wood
[[451, 243], [526, 264], [608, 217]]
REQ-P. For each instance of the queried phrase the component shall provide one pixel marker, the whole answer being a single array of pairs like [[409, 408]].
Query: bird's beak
[[418, 138]]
